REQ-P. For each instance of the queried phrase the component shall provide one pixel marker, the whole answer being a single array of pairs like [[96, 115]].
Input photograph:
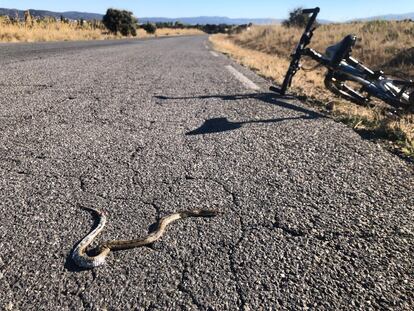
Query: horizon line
[[220, 16]]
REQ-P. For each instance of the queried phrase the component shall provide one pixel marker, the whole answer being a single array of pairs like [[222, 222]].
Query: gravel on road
[[314, 216]]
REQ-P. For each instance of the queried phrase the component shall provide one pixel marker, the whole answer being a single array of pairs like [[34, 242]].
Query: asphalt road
[[314, 216]]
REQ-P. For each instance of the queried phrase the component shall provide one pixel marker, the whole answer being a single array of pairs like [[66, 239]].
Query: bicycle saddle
[[336, 53]]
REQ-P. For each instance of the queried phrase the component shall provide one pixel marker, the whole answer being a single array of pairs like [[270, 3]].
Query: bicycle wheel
[[345, 91]]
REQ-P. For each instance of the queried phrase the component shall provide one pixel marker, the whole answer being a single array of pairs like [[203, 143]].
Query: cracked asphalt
[[314, 216]]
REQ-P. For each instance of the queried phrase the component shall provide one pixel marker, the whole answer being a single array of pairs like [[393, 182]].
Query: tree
[[63, 20], [81, 22], [296, 19], [150, 28], [28, 20], [120, 21], [178, 25]]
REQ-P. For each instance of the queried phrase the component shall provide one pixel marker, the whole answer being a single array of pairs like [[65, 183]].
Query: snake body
[[83, 260]]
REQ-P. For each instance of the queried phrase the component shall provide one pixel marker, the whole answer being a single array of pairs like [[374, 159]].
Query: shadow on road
[[217, 125], [269, 98]]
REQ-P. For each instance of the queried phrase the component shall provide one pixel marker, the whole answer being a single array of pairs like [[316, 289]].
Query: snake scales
[[83, 260]]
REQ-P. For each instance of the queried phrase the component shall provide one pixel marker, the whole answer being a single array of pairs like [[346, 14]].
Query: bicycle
[[343, 68]]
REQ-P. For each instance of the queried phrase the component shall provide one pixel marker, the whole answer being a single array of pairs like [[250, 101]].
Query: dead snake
[[83, 260]]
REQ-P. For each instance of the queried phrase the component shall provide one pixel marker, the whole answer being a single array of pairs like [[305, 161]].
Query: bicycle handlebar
[[310, 11], [308, 33], [304, 41]]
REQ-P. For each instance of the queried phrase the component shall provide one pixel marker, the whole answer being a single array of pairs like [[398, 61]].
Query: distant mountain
[[203, 20], [388, 17], [42, 13], [84, 15]]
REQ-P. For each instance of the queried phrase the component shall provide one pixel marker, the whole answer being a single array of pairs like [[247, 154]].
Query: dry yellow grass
[[379, 41], [178, 32], [266, 49], [141, 33], [163, 32], [56, 31], [48, 31]]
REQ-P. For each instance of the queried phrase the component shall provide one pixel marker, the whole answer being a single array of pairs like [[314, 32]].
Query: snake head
[[207, 213]]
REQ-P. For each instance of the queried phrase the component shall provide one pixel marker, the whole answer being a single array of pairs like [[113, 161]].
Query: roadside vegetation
[[120, 21], [178, 32], [50, 29], [382, 45], [117, 24], [172, 29]]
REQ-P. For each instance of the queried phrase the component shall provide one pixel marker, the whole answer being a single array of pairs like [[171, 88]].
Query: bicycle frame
[[374, 83]]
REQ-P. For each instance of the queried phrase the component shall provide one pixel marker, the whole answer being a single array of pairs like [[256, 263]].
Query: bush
[[64, 20], [296, 19], [120, 21], [133, 31], [213, 29], [179, 25], [150, 28]]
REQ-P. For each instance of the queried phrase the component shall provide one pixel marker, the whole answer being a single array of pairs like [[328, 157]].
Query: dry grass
[[178, 32], [379, 41], [266, 49], [49, 30], [169, 32], [141, 33]]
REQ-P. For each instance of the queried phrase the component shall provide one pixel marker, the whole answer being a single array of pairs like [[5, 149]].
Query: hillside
[[203, 20], [388, 17], [200, 20], [43, 13]]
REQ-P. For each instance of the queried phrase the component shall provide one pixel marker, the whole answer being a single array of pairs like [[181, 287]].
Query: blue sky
[[331, 9]]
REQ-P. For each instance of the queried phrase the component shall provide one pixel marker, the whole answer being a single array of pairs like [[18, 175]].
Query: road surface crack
[[82, 184], [290, 231], [80, 293], [184, 289], [231, 254]]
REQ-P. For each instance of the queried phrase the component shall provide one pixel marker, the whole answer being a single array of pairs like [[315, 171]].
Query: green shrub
[[120, 21], [179, 25], [150, 28], [296, 19]]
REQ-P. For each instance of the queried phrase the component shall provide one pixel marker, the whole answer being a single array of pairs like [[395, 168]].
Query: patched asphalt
[[314, 216]]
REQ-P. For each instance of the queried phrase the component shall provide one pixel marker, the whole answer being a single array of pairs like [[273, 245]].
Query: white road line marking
[[214, 54], [243, 79]]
